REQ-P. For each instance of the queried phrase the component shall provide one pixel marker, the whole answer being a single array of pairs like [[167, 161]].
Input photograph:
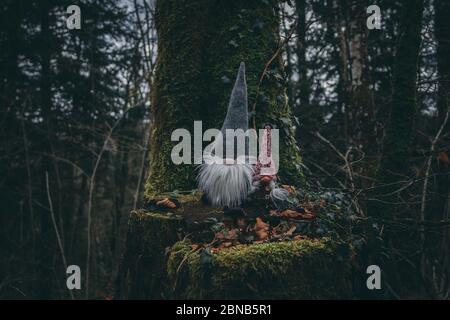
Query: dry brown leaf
[[261, 225], [289, 188], [262, 234], [291, 230], [261, 229], [308, 216], [166, 203], [225, 245], [443, 157], [292, 214], [231, 234]]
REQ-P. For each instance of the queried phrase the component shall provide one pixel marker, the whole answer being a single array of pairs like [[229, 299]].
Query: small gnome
[[226, 179], [265, 171]]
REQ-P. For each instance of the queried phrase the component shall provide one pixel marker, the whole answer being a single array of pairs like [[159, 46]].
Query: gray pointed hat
[[237, 114]]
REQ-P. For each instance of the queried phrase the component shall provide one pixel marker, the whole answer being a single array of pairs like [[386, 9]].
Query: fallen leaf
[[260, 225], [291, 189], [261, 229], [231, 234], [166, 203], [443, 157], [291, 230], [225, 245], [262, 234], [194, 247], [292, 214], [308, 216]]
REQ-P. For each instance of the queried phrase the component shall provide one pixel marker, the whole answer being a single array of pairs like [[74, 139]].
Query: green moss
[[303, 269]]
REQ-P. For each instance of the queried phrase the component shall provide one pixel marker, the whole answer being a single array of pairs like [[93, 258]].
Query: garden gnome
[[226, 174]]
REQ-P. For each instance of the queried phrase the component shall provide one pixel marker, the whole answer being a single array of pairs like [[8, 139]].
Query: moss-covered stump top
[[303, 269], [180, 247]]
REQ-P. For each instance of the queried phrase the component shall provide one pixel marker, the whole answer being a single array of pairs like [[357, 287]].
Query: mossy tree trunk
[[200, 46]]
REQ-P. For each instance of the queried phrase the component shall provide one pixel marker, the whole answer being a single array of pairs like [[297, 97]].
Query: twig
[[58, 237], [425, 189], [428, 166], [266, 66], [347, 165], [91, 193]]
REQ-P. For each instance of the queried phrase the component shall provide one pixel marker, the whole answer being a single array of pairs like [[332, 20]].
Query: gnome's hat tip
[[241, 72], [241, 82]]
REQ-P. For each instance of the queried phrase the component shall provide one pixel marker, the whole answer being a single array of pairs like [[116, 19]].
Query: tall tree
[[356, 77], [309, 115], [441, 206], [201, 44], [61, 91], [397, 145]]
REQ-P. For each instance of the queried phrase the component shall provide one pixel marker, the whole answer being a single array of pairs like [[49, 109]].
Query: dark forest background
[[371, 117]]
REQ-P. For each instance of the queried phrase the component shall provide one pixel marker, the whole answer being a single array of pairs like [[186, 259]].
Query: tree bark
[[360, 114], [442, 25], [310, 115]]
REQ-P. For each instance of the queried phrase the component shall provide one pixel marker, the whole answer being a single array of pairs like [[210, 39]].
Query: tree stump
[[164, 261]]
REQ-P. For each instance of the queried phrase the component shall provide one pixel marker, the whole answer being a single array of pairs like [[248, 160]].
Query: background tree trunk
[[359, 103], [309, 115], [392, 173], [395, 169], [442, 25]]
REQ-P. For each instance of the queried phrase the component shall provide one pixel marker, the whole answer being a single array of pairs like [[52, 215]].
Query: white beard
[[226, 184]]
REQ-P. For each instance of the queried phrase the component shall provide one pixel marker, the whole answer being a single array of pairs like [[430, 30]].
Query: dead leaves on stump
[[293, 214], [166, 202], [263, 229]]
